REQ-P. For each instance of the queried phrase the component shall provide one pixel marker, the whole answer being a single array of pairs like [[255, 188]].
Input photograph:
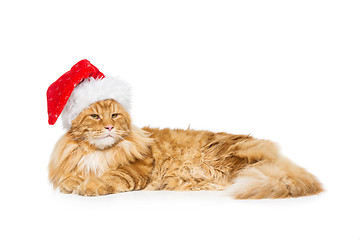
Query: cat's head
[[103, 124]]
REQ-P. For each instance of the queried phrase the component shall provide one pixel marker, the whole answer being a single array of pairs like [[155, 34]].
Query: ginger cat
[[104, 153]]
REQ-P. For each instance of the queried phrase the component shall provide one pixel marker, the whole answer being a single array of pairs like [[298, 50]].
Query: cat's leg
[[126, 178], [93, 186], [274, 179], [268, 174], [129, 178], [70, 184]]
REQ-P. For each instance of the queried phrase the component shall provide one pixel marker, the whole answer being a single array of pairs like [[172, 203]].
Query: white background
[[280, 70]]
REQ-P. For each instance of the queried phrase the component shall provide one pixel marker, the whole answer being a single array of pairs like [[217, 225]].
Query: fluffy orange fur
[[105, 153]]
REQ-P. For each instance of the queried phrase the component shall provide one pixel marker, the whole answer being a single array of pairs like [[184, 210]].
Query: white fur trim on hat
[[92, 90]]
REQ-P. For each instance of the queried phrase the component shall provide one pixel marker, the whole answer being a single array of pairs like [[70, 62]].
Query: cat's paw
[[70, 184], [93, 187], [116, 183]]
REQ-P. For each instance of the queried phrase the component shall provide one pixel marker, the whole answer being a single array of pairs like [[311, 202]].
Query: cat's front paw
[[70, 184], [93, 187], [118, 183]]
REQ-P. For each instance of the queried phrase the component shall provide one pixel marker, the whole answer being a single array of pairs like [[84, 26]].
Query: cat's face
[[103, 124]]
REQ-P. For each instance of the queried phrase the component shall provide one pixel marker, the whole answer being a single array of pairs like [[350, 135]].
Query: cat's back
[[184, 159], [179, 138]]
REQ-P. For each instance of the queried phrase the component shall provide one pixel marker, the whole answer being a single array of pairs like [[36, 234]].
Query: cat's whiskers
[[79, 138], [76, 139]]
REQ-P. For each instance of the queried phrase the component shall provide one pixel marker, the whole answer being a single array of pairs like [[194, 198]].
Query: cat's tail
[[274, 179]]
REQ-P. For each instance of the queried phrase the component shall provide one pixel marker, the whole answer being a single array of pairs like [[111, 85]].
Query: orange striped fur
[[88, 162]]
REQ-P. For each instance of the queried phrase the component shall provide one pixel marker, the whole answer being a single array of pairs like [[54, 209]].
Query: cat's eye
[[95, 116], [114, 115]]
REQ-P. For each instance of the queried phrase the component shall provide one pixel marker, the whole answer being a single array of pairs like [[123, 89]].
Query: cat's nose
[[109, 127]]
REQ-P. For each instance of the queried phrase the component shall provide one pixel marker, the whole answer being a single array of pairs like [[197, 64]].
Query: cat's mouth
[[104, 141], [107, 136]]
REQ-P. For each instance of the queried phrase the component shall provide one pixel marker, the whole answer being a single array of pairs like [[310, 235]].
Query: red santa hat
[[80, 87]]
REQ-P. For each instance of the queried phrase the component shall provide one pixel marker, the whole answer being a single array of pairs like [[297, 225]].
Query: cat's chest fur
[[96, 163]]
